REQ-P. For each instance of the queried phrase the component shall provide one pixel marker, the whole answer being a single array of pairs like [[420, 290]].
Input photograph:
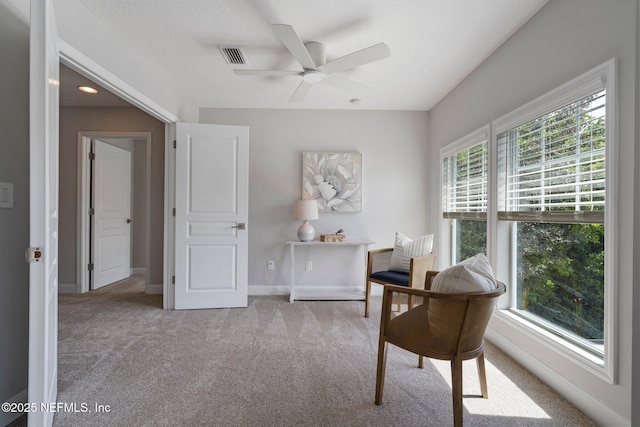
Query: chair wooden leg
[[367, 299], [482, 375], [421, 362], [410, 302], [380, 371], [456, 390]]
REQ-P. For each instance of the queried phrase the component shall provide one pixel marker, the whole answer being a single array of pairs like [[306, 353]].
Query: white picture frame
[[334, 180]]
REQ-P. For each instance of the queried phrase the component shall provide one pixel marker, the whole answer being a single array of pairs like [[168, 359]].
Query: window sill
[[552, 342]]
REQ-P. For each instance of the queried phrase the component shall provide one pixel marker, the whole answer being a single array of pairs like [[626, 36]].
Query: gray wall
[[395, 196], [14, 223], [75, 119], [565, 39], [139, 207]]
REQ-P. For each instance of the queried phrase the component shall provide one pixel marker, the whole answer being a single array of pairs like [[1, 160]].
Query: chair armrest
[[383, 256], [418, 267]]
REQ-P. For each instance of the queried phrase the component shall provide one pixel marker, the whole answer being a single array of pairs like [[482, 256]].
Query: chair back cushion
[[471, 275], [406, 248]]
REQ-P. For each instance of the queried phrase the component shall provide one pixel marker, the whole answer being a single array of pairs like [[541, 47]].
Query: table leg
[[293, 271], [366, 258]]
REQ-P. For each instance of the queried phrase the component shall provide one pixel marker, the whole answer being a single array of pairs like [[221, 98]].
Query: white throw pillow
[[405, 249], [471, 275]]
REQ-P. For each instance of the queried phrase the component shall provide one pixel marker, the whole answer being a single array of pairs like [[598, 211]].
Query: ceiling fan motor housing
[[313, 76]]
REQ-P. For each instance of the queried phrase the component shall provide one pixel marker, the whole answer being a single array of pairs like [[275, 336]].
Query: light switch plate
[[6, 195]]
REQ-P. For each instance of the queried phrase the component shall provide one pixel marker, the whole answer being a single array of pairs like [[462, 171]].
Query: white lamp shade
[[305, 209]]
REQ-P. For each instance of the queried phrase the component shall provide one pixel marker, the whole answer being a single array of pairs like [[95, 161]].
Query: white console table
[[297, 294]]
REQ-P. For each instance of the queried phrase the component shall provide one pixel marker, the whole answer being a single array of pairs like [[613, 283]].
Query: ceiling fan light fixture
[[313, 76]]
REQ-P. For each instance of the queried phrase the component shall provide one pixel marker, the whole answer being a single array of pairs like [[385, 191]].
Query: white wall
[[565, 39], [14, 223], [395, 171]]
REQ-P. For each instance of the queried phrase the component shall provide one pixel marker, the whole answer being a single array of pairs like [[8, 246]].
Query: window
[[553, 201], [465, 169]]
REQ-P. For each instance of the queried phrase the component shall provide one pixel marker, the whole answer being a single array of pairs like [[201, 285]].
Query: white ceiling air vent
[[233, 55]]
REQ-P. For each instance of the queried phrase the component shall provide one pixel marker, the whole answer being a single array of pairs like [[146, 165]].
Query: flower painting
[[334, 180]]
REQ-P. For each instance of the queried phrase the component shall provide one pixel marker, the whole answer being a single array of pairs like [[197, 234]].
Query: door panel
[[213, 161], [43, 199], [111, 229], [212, 166], [212, 267]]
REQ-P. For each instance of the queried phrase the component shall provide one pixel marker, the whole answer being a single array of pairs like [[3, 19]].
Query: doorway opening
[[91, 254], [114, 114]]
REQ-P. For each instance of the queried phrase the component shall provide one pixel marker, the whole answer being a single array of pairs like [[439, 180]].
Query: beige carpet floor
[[271, 364]]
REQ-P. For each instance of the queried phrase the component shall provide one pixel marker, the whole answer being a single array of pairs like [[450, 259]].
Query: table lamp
[[305, 210]]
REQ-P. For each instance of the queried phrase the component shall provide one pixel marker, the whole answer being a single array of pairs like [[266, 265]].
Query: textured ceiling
[[434, 45]]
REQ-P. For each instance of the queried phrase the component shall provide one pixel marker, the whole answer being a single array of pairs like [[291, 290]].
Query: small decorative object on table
[[338, 237]]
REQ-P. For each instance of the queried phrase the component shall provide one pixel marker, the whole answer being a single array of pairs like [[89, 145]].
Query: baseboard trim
[[155, 288], [260, 290], [9, 417], [138, 271], [67, 288]]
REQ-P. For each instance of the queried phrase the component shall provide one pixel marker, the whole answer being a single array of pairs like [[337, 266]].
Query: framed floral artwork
[[334, 180]]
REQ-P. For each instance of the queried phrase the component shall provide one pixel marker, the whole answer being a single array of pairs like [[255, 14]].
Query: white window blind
[[465, 183], [552, 168]]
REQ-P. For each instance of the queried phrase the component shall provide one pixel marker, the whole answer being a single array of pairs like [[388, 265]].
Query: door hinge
[[174, 211], [173, 280], [92, 156], [90, 266], [92, 211], [174, 143]]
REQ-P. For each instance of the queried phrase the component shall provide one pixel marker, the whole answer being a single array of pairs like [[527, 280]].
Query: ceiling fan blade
[[365, 56], [300, 92], [344, 84], [267, 72], [292, 41]]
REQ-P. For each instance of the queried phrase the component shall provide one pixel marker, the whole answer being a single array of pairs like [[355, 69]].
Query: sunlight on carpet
[[501, 388]]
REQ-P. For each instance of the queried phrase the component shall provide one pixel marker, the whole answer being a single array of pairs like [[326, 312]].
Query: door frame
[[84, 201]]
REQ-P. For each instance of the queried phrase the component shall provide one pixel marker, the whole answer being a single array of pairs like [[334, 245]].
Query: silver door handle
[[240, 226]]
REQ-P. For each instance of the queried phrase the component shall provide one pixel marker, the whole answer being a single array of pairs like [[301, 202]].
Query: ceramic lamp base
[[306, 233]]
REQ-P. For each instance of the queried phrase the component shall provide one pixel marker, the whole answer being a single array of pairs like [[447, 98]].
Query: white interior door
[[212, 208], [43, 199], [111, 226]]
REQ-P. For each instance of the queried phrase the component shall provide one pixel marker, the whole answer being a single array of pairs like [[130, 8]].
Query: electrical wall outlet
[[271, 265], [308, 265]]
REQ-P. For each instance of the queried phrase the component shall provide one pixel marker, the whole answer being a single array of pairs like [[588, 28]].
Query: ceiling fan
[[312, 56]]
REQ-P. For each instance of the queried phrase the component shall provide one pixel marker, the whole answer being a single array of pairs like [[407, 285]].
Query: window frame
[[447, 229], [602, 76]]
